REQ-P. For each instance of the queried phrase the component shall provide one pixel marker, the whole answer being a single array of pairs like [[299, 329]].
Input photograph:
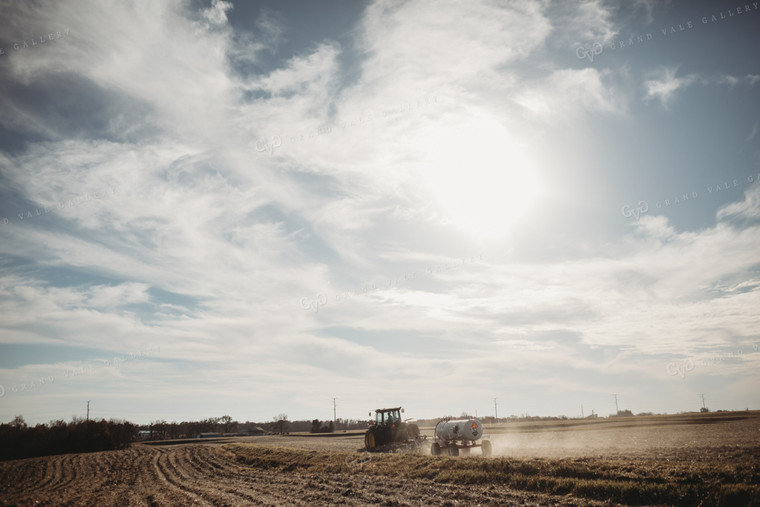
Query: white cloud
[[304, 74], [118, 295], [732, 81], [581, 22], [427, 43], [664, 87], [568, 94], [747, 209], [217, 13]]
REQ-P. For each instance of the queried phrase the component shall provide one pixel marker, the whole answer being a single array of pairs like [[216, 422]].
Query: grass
[[632, 482]]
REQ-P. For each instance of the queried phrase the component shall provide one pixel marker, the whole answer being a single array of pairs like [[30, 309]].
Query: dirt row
[[205, 474]]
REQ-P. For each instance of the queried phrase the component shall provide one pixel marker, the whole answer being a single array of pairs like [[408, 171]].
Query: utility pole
[[582, 416], [703, 400], [495, 410], [616, 405], [335, 418], [88, 410]]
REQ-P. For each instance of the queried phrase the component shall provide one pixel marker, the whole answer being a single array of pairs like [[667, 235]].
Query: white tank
[[459, 429]]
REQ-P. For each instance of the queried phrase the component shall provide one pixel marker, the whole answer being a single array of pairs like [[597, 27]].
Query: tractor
[[388, 433]]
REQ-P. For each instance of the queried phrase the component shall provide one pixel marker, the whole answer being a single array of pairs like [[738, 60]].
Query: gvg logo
[[269, 145], [680, 367], [595, 50], [639, 210], [355, 464], [314, 304], [686, 365]]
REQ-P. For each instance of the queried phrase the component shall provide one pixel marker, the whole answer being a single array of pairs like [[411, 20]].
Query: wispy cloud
[[664, 87]]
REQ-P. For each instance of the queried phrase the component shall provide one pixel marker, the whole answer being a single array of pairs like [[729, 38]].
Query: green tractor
[[388, 433]]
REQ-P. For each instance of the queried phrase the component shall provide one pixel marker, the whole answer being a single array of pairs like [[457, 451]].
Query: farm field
[[682, 460]]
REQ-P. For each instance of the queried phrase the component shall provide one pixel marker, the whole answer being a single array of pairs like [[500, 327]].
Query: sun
[[478, 176]]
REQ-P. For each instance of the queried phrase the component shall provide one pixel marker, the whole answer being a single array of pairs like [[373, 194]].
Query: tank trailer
[[459, 434]]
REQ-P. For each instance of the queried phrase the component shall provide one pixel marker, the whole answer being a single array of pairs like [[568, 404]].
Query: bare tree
[[225, 421], [281, 422]]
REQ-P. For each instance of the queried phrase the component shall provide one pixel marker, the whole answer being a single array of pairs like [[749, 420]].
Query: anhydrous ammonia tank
[[459, 429]]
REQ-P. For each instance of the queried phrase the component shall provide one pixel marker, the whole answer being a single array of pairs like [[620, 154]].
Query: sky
[[254, 208]]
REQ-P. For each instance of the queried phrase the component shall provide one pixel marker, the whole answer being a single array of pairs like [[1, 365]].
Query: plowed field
[[205, 474], [711, 459]]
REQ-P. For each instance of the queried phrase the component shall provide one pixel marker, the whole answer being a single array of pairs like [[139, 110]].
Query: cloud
[[304, 75], [748, 209], [568, 94], [648, 6], [581, 22], [217, 13], [207, 246], [448, 45], [732, 81], [664, 88], [752, 133]]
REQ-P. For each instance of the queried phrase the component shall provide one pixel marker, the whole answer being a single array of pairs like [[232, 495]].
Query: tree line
[[225, 425], [17, 440]]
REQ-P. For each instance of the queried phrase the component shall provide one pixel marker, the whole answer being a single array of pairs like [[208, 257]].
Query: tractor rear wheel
[[486, 447], [435, 449], [369, 440]]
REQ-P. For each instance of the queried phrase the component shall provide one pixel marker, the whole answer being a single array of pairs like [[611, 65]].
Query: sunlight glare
[[479, 177]]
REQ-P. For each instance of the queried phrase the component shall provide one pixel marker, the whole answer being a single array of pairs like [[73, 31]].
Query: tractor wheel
[[435, 449], [414, 431], [369, 440], [486, 448], [453, 450]]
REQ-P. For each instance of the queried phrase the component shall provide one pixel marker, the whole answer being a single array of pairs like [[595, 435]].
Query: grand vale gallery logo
[[594, 50]]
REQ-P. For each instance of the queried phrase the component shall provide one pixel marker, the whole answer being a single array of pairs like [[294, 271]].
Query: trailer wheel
[[453, 450], [486, 447], [435, 449]]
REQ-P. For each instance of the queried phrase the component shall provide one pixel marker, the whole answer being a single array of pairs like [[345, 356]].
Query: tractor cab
[[388, 416]]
